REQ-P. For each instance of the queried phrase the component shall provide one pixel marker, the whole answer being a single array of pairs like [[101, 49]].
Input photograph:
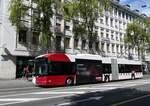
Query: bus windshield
[[41, 66]]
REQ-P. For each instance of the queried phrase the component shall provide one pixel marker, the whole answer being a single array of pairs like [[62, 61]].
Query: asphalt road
[[121, 93]]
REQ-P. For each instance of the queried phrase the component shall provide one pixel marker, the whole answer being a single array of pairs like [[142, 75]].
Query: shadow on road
[[106, 98]]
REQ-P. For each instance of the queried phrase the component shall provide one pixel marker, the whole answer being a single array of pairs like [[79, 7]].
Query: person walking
[[26, 72]]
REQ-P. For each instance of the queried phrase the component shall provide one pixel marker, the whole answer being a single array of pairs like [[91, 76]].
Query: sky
[[142, 5]]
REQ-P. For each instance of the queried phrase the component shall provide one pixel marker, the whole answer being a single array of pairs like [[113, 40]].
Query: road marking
[[97, 88], [59, 92], [16, 89], [33, 93], [130, 100], [34, 99], [79, 101], [18, 99]]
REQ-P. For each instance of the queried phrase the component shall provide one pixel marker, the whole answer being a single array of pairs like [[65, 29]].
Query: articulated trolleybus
[[55, 69]]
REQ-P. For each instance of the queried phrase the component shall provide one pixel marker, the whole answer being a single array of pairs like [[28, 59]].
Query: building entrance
[[23, 62]]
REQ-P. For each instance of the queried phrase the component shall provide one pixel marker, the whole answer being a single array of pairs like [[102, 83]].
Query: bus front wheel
[[69, 81]]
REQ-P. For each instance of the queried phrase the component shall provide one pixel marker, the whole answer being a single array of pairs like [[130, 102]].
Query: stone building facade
[[17, 49]]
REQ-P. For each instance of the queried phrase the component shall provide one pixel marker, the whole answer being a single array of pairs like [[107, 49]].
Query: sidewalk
[[17, 83]]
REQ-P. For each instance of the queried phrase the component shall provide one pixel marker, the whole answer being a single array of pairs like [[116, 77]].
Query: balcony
[[68, 33], [107, 40], [68, 23]]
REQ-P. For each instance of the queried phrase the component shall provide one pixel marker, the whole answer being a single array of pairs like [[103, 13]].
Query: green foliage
[[84, 14], [42, 21], [137, 36], [40, 17], [17, 11], [147, 28]]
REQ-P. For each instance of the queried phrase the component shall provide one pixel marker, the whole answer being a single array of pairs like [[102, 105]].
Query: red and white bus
[[63, 69]]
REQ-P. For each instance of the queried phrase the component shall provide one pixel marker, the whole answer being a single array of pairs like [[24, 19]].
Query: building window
[[120, 25], [35, 38], [101, 21], [102, 29], [90, 44], [107, 36], [67, 43], [97, 46], [102, 47], [111, 22], [119, 13], [121, 37], [117, 48], [126, 15], [123, 14], [96, 33], [108, 48], [23, 36], [121, 49], [117, 36], [116, 24], [106, 21], [67, 27], [116, 11], [113, 48], [112, 37], [76, 41], [83, 44], [58, 43], [102, 34]]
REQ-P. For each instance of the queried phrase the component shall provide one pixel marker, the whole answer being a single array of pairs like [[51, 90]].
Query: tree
[[84, 14], [41, 16], [41, 20], [17, 12], [147, 29], [136, 36]]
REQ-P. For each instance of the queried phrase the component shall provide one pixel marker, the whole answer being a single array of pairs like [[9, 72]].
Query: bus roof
[[88, 56], [55, 57], [107, 60]]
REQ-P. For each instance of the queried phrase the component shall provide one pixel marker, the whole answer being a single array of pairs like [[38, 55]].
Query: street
[[120, 93]]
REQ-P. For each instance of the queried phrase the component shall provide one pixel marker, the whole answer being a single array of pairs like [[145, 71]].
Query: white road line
[[18, 99], [35, 99], [98, 89], [27, 93], [16, 88], [58, 92], [15, 95]]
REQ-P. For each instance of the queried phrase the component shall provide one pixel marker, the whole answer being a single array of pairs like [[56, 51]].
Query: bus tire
[[132, 76], [106, 79], [69, 81]]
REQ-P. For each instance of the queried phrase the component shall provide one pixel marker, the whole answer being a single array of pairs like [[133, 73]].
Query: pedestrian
[[26, 72]]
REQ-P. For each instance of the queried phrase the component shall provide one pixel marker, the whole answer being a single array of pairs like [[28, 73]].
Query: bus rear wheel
[[69, 81], [132, 76], [106, 78]]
